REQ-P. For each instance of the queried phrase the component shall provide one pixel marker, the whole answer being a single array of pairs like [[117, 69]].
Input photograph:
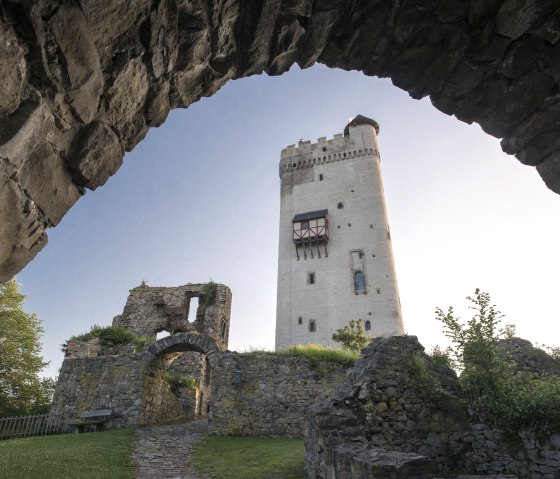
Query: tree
[[475, 351], [21, 389], [352, 337]]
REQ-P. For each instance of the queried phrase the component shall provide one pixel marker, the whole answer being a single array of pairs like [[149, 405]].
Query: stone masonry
[[149, 310], [272, 394], [387, 421], [84, 81]]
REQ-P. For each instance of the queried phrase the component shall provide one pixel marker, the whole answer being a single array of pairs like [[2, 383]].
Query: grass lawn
[[250, 458], [99, 455]]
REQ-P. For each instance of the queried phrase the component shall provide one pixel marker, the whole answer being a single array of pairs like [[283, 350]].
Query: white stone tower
[[335, 260]]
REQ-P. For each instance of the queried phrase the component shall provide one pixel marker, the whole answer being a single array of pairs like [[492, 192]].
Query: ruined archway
[[192, 356], [85, 81]]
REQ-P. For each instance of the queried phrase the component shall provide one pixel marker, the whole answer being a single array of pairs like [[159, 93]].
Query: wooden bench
[[91, 418]]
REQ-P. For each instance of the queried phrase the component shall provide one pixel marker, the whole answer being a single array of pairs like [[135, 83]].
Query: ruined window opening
[[368, 325], [223, 330], [192, 308], [312, 326], [311, 278], [324, 148], [162, 334], [300, 320], [340, 205], [359, 282]]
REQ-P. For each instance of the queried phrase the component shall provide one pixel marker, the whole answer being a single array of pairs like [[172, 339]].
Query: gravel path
[[164, 451]]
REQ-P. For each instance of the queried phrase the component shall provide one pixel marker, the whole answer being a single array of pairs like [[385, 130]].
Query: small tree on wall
[[352, 336]]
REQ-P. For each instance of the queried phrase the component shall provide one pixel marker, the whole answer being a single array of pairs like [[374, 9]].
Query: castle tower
[[335, 260]]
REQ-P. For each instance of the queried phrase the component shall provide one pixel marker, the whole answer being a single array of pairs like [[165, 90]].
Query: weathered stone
[[99, 62], [13, 69], [83, 80], [96, 157], [431, 423]]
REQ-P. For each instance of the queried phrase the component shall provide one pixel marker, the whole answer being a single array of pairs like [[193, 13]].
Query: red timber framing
[[310, 233]]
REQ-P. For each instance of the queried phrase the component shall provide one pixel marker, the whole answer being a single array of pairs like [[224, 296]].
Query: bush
[[111, 336], [208, 291], [489, 387], [176, 378], [352, 336]]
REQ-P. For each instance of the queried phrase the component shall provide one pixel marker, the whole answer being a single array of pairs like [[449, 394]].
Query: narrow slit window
[[320, 176], [312, 326], [367, 326], [300, 320], [311, 278]]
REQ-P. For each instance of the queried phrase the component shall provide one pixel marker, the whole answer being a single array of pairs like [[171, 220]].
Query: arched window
[[359, 282]]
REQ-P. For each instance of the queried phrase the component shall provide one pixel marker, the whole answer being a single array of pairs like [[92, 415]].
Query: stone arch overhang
[[84, 81], [183, 342]]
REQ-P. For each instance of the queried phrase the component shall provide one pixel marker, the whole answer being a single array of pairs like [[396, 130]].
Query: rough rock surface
[[82, 82], [398, 416]]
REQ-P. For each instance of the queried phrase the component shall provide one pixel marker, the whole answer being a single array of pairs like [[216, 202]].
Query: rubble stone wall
[[389, 418], [149, 310], [272, 396]]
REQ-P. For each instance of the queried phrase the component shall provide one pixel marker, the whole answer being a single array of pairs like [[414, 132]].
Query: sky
[[199, 199]]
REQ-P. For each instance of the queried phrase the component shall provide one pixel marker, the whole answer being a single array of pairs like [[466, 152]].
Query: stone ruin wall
[[386, 423], [149, 310], [95, 376], [273, 395], [102, 382], [271, 400], [84, 81]]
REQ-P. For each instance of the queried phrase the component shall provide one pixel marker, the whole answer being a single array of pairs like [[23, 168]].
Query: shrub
[[352, 336], [491, 390], [441, 357], [176, 378], [208, 291], [111, 336]]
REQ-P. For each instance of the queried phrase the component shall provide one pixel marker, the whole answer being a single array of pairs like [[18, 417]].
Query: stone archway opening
[[177, 381]]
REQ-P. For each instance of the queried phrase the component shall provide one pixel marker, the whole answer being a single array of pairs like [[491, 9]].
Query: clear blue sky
[[199, 199]]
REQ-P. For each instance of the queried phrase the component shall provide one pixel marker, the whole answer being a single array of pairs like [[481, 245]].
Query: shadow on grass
[[250, 458]]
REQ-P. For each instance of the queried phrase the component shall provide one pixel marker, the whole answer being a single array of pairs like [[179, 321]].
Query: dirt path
[[164, 451]]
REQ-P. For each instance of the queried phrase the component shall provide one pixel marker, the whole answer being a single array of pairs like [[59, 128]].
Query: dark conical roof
[[361, 120]]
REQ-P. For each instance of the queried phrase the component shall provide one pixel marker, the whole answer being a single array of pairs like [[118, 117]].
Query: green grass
[[320, 354], [250, 458], [100, 455]]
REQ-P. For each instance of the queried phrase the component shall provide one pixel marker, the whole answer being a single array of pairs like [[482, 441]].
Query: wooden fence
[[21, 426]]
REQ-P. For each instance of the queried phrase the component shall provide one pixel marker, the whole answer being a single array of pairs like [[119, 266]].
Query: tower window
[[359, 282], [378, 290], [320, 176], [312, 326], [368, 325], [340, 205], [300, 320], [311, 278]]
